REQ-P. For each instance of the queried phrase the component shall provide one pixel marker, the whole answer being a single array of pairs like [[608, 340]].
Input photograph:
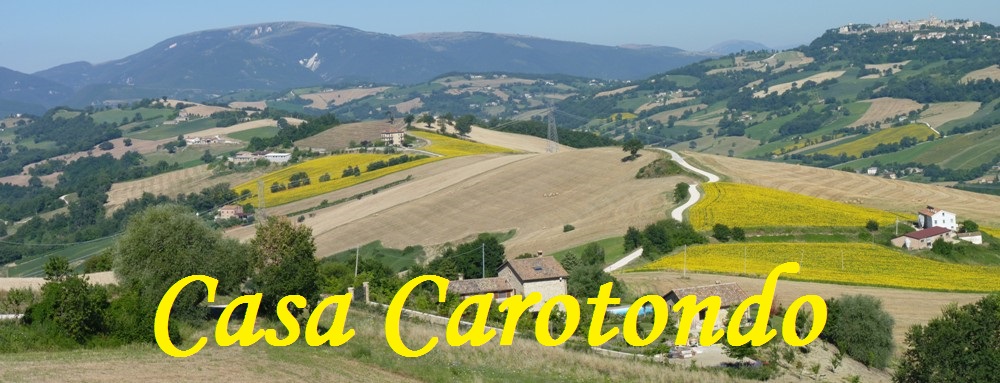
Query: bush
[[681, 192], [74, 306], [567, 227], [721, 232], [859, 327]]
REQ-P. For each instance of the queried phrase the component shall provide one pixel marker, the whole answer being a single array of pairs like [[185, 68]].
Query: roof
[[972, 234], [927, 233], [930, 210], [231, 207], [730, 293], [478, 286], [393, 132], [536, 268]]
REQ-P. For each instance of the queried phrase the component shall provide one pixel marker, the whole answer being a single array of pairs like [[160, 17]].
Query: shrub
[[567, 227], [859, 327]]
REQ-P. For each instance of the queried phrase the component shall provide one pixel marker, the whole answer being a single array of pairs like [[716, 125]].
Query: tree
[[871, 225], [959, 346], [942, 247], [426, 119], [633, 239], [165, 243], [57, 269], [106, 145], [127, 142], [284, 260], [721, 232], [738, 234], [464, 124], [207, 157], [681, 192], [408, 119], [632, 146], [570, 262], [593, 254], [35, 182], [585, 281], [859, 327], [968, 226], [73, 305]]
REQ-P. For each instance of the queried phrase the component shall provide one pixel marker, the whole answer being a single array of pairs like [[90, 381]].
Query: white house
[[931, 217], [872, 171], [393, 137], [278, 158]]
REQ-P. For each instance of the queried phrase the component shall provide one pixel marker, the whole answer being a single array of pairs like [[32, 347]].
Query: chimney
[[539, 253], [460, 276]]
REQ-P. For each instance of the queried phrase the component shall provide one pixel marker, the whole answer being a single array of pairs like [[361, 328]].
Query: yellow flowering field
[[991, 231], [335, 165], [453, 147], [884, 136], [754, 206], [847, 263]]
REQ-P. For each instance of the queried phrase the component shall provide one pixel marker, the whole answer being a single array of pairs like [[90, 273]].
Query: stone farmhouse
[[542, 274], [730, 293]]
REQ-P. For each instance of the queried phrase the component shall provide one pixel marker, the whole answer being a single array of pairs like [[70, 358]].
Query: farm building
[[730, 293], [230, 211], [393, 137], [278, 158], [923, 239], [245, 157], [524, 276], [931, 217], [976, 238]]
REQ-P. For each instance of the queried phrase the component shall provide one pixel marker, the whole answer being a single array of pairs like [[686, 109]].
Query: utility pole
[[744, 259], [897, 226], [357, 255], [482, 250], [685, 274]]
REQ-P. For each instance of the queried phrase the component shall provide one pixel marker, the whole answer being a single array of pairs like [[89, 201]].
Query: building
[[872, 171], [931, 217], [976, 238], [730, 293], [245, 157], [923, 239], [393, 137], [524, 276], [231, 211], [278, 158]]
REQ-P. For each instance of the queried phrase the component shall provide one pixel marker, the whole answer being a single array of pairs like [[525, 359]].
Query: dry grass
[[651, 105], [102, 278], [514, 141], [457, 81], [323, 100], [341, 136], [886, 108], [894, 67], [140, 146], [615, 91], [784, 87], [248, 104], [992, 72], [941, 113], [408, 105], [233, 129], [190, 180], [535, 194], [665, 116], [836, 185], [907, 307], [791, 59]]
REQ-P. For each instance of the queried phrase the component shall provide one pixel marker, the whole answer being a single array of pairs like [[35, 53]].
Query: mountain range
[[282, 55]]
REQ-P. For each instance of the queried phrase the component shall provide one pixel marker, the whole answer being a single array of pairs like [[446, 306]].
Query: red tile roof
[[730, 293], [536, 269], [927, 233]]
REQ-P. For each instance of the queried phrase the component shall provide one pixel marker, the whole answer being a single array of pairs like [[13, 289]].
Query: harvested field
[[992, 72], [233, 129], [894, 67], [907, 307], [190, 180], [499, 194], [203, 110], [102, 278], [615, 91], [514, 141], [784, 87], [884, 136], [323, 100], [886, 108], [940, 113], [651, 105], [340, 136], [835, 185], [791, 59], [409, 105], [139, 146], [248, 104], [457, 81], [665, 116]]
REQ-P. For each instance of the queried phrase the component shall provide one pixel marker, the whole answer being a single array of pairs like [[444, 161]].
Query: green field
[[396, 259], [263, 132], [683, 81], [75, 254], [961, 151], [114, 116], [189, 156], [167, 131], [614, 249], [856, 109], [884, 136], [67, 114]]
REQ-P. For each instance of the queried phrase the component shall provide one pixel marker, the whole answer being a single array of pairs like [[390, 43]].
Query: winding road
[[676, 214]]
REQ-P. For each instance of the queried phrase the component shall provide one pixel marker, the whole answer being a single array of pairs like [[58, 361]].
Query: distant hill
[[291, 54], [736, 46], [25, 93]]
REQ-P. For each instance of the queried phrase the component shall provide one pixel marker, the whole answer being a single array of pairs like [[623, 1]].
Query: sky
[[40, 34]]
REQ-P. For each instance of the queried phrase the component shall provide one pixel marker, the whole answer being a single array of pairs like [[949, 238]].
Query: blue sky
[[39, 34]]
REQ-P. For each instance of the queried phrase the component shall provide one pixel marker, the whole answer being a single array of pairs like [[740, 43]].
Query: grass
[[67, 114], [962, 151], [856, 109], [114, 116], [842, 263], [884, 136], [683, 81], [750, 206], [614, 249], [398, 260], [75, 254], [162, 131], [262, 132], [190, 155]]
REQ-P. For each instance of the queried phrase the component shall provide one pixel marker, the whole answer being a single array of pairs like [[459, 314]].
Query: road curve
[[624, 261], [678, 213]]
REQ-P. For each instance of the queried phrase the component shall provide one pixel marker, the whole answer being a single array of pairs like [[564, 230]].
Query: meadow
[[842, 263], [335, 164], [750, 206], [884, 136]]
